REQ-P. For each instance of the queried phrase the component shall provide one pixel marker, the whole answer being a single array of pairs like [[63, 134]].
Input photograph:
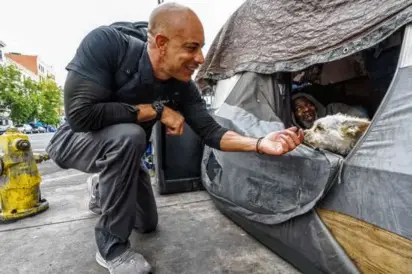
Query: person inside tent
[[306, 110]]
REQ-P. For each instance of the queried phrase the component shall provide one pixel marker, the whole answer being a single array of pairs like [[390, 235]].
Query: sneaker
[[92, 183], [129, 262]]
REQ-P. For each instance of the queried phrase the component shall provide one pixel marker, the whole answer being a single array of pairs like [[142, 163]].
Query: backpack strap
[[129, 64], [137, 32], [136, 29]]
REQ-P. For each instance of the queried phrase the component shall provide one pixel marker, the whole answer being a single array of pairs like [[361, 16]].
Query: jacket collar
[[145, 67]]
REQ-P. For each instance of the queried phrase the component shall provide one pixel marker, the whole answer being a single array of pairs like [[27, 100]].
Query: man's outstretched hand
[[281, 142]]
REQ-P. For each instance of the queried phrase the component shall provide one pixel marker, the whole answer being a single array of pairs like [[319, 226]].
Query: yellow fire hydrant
[[19, 178]]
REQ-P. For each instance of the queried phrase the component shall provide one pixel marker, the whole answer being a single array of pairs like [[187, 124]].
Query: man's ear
[[355, 127], [161, 41]]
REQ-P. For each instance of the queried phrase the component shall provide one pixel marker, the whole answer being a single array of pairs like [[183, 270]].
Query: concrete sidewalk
[[193, 236]]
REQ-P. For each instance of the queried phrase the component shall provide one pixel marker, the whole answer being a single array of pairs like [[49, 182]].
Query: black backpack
[[136, 29], [138, 34]]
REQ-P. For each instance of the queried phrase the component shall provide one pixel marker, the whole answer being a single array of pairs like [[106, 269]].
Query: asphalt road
[[39, 142]]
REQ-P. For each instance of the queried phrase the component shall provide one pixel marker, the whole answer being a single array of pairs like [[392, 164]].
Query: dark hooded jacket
[[330, 109]]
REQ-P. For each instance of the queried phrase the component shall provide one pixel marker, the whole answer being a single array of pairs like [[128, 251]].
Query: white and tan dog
[[337, 133]]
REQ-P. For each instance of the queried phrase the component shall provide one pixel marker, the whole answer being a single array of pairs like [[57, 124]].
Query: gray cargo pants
[[126, 196]]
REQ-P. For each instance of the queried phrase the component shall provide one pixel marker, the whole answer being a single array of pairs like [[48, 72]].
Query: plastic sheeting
[[376, 183], [274, 198], [262, 188], [304, 241], [267, 36], [376, 180]]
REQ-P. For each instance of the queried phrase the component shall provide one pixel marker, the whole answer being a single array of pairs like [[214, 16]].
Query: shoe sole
[[101, 261]]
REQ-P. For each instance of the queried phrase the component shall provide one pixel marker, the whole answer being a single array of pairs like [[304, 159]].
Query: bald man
[[108, 126]]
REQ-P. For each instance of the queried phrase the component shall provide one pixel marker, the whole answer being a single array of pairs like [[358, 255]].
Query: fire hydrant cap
[[22, 144]]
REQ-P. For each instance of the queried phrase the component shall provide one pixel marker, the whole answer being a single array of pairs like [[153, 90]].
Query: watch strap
[[158, 107]]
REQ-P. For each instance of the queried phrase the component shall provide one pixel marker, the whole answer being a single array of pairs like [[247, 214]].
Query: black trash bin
[[177, 160]]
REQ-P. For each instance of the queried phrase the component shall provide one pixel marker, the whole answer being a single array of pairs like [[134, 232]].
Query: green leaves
[[49, 100], [27, 99]]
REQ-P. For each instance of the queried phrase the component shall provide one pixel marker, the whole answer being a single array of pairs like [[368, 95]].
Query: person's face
[[304, 110], [182, 53]]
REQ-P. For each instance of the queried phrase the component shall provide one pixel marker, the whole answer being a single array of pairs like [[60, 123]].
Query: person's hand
[[173, 121], [281, 142]]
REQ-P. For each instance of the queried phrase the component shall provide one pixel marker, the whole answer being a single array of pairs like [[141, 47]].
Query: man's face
[[183, 52], [305, 110]]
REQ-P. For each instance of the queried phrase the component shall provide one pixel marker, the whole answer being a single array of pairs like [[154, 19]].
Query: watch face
[[158, 106]]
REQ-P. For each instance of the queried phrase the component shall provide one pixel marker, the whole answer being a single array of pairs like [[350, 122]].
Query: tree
[[30, 97], [27, 99], [50, 100], [13, 93]]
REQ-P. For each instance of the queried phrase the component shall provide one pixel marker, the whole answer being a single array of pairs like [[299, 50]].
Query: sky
[[53, 29]]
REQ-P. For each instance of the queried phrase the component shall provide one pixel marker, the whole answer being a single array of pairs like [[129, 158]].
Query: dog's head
[[337, 133]]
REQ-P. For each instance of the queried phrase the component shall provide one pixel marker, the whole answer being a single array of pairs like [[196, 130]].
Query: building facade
[[31, 65], [2, 46], [25, 73]]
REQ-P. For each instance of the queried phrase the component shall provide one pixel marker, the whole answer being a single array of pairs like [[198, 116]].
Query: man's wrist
[[145, 113], [232, 141], [159, 108], [257, 147]]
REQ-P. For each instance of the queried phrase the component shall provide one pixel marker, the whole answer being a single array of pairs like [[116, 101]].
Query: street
[[39, 142], [192, 237]]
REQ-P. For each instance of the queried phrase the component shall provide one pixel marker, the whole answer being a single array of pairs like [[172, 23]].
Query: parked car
[[38, 129], [50, 128], [25, 128], [3, 129]]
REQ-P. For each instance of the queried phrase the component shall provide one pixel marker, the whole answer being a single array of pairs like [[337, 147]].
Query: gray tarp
[[263, 188], [376, 181], [268, 36], [275, 196], [278, 194]]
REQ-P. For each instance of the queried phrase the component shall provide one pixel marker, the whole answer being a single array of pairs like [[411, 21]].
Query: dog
[[337, 133]]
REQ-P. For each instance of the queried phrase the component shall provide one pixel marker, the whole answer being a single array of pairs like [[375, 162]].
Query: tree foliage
[[29, 100]]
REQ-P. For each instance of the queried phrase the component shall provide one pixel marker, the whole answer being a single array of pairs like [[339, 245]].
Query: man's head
[[175, 38], [305, 111]]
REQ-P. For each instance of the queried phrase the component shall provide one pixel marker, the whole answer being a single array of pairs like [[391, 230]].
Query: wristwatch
[[158, 107]]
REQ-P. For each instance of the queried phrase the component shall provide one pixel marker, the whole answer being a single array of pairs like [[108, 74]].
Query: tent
[[322, 212]]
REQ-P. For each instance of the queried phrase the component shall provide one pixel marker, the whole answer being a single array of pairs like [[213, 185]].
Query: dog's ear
[[355, 127]]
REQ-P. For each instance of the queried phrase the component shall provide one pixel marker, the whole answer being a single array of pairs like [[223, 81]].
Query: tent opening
[[354, 85]]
